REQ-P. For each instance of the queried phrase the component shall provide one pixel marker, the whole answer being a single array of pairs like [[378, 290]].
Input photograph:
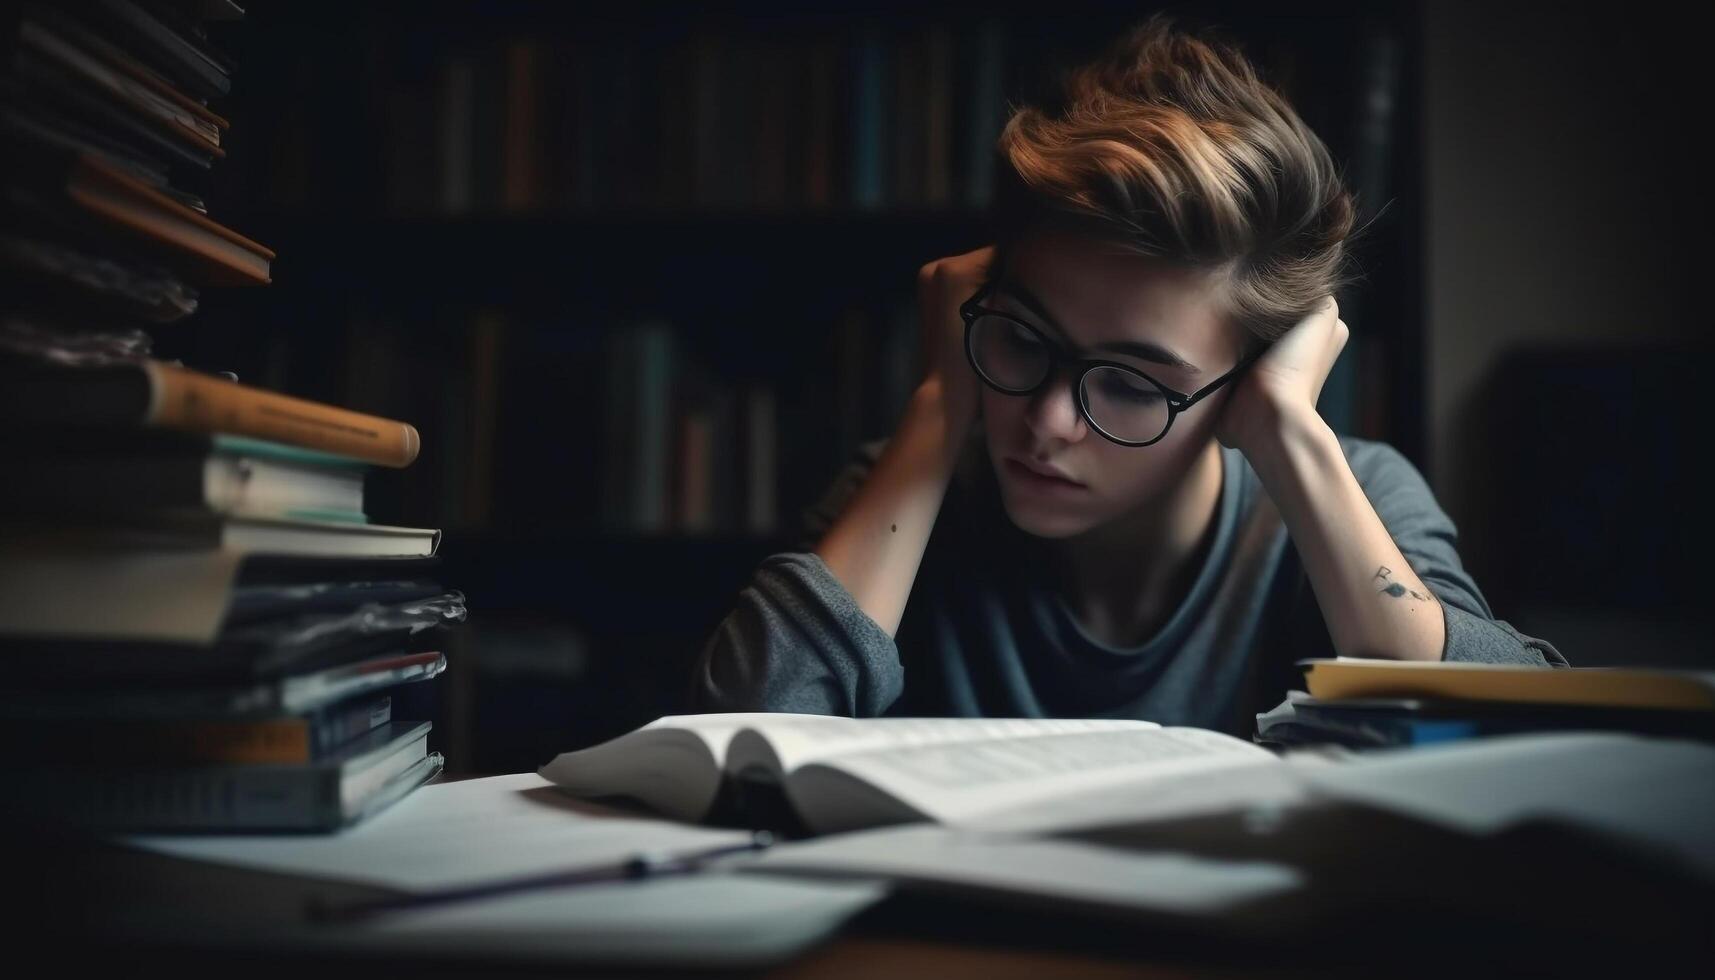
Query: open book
[[838, 774]]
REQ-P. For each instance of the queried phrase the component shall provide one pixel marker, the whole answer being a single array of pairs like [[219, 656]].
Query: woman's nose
[[1053, 410]]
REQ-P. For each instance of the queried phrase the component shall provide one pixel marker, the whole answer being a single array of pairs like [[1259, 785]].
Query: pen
[[641, 865]]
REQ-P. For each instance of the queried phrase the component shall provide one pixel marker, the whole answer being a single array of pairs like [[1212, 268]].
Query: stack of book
[[1362, 703], [199, 626]]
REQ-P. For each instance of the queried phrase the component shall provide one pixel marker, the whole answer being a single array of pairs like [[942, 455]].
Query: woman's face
[[1097, 297]]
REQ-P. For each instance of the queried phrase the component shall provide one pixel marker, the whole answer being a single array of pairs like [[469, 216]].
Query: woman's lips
[[1028, 477]]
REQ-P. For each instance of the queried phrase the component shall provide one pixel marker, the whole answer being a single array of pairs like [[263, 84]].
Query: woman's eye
[[1021, 337], [1134, 391]]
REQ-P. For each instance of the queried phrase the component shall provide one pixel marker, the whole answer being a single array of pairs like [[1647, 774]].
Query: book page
[[797, 740], [673, 764], [960, 782], [717, 729]]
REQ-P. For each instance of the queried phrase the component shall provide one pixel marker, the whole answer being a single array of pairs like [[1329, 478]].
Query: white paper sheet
[[1040, 868], [1658, 792], [456, 833], [479, 830]]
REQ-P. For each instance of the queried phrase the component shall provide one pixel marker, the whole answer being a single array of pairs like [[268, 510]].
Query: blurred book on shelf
[[203, 628], [688, 446], [813, 119]]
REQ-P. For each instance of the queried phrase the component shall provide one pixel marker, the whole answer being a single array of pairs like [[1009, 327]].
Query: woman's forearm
[[876, 544], [1370, 596]]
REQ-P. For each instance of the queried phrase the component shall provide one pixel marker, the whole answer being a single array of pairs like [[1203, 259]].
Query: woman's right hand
[[942, 286]]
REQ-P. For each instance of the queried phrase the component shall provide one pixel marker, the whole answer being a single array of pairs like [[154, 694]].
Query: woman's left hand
[[1284, 382]]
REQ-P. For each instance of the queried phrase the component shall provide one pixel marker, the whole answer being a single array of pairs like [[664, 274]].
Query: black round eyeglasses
[[1117, 400]]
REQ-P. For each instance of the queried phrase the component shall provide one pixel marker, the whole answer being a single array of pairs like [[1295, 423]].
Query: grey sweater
[[984, 634]]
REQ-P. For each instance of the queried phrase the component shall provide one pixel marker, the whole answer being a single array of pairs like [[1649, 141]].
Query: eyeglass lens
[[1125, 405]]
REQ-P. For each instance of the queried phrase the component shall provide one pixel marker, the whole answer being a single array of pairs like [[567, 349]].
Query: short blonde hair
[[1170, 146]]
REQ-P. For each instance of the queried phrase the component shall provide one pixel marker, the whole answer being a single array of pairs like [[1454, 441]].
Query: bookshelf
[[475, 205]]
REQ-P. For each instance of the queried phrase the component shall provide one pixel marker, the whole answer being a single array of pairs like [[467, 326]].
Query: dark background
[[473, 204]]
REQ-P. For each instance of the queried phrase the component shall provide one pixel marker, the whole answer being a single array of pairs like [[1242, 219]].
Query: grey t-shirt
[[985, 634]]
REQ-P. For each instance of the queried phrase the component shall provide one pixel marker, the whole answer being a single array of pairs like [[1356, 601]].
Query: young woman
[[1111, 495]]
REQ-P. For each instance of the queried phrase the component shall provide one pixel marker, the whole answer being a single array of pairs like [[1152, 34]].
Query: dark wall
[[1565, 333]]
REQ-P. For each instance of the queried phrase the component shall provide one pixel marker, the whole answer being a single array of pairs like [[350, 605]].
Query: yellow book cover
[[1618, 687]]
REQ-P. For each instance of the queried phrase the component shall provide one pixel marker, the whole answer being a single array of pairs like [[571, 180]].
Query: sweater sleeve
[[1427, 538], [797, 640]]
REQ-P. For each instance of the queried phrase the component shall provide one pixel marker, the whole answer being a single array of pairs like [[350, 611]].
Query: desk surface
[[80, 890], [91, 887]]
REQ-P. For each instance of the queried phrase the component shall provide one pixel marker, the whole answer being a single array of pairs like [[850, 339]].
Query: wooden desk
[[84, 902]]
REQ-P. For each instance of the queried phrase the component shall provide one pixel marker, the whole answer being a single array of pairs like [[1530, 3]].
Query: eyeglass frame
[[1177, 401]]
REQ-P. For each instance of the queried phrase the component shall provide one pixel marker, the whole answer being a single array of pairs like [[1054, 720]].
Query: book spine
[[819, 141], [144, 106], [739, 116], [621, 166], [773, 90], [868, 131], [333, 728], [519, 164], [654, 425], [619, 426], [723, 461], [760, 461], [178, 56], [232, 445], [113, 123], [124, 62], [707, 93], [129, 203], [586, 108], [675, 128], [938, 118], [197, 798], [693, 485], [195, 402], [988, 104], [488, 140], [905, 122], [458, 134], [312, 692], [269, 741], [265, 489]]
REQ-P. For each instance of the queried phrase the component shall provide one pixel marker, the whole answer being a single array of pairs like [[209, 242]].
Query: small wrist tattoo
[[1399, 591]]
